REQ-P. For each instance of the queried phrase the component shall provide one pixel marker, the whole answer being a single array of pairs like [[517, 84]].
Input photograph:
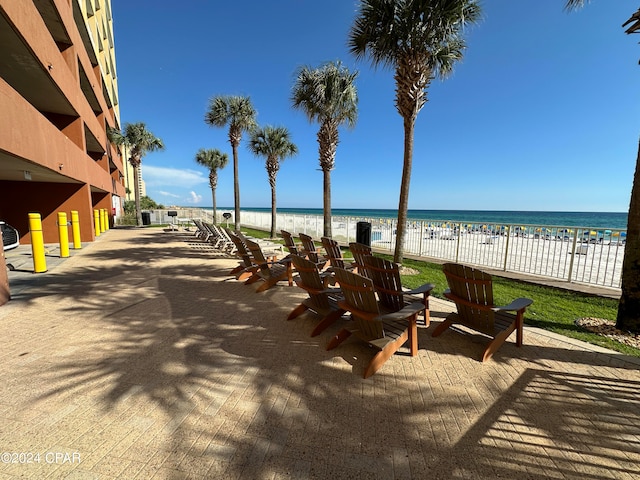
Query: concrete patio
[[139, 357]]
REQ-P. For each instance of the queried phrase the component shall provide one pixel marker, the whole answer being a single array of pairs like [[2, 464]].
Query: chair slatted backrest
[[259, 258], [310, 281], [359, 293], [359, 250], [241, 249], [386, 278], [472, 291], [310, 247], [289, 243], [333, 252]]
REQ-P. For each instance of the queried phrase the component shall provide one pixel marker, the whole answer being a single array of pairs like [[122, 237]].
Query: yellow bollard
[[102, 227], [63, 234], [106, 219], [75, 228], [37, 243], [96, 222]]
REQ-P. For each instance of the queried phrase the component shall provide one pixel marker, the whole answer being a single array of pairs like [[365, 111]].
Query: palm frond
[[272, 142], [327, 92], [387, 30], [211, 158], [575, 4]]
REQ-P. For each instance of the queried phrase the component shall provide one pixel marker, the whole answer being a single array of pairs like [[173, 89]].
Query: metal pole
[[573, 255], [506, 249], [459, 239]]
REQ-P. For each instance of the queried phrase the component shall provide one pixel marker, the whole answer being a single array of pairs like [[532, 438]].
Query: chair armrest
[[516, 305], [406, 312], [426, 288]]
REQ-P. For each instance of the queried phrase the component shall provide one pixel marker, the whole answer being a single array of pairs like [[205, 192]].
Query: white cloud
[[176, 177], [195, 198], [168, 194]]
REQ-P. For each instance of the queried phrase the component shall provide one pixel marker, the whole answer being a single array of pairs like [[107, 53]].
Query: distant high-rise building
[[58, 96]]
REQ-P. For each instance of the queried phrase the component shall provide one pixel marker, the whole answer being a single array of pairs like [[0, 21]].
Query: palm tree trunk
[[236, 188], [327, 202], [403, 203], [629, 307], [213, 197], [136, 190], [273, 211]]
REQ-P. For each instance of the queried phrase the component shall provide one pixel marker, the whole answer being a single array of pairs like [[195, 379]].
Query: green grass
[[553, 309]]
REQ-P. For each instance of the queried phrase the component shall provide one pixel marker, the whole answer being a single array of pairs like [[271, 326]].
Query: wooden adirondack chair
[[271, 272], [322, 300], [312, 253], [359, 250], [383, 330], [290, 244], [333, 253], [472, 292], [386, 278], [246, 268]]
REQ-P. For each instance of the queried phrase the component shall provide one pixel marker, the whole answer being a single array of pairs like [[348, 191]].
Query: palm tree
[[213, 159], [328, 96], [139, 141], [420, 39], [274, 144], [239, 114], [628, 317]]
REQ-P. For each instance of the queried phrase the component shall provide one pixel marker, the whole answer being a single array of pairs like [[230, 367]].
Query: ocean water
[[595, 220]]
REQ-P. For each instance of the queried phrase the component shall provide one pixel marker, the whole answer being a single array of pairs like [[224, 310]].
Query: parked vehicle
[[10, 236]]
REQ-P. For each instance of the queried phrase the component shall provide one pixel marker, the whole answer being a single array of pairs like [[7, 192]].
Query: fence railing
[[573, 254]]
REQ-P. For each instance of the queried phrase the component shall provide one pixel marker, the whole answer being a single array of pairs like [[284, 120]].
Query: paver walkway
[[138, 357]]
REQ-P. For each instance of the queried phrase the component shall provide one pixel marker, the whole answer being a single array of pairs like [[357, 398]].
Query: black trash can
[[146, 218], [363, 233]]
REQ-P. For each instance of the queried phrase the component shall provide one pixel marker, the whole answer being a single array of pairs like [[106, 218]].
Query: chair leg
[[290, 274], [268, 283], [442, 327], [497, 342], [296, 312], [253, 279], [427, 315], [244, 275], [413, 335], [327, 321], [340, 337], [519, 328], [239, 268], [385, 354]]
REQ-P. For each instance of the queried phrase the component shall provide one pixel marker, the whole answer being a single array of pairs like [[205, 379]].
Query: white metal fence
[[574, 254]]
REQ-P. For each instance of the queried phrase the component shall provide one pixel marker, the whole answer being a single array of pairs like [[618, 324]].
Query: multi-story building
[[58, 96]]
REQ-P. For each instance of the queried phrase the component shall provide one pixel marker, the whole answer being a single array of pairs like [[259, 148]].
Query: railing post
[[458, 241], [506, 248], [573, 256]]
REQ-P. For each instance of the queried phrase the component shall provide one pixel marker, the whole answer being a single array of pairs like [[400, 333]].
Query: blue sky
[[541, 114]]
